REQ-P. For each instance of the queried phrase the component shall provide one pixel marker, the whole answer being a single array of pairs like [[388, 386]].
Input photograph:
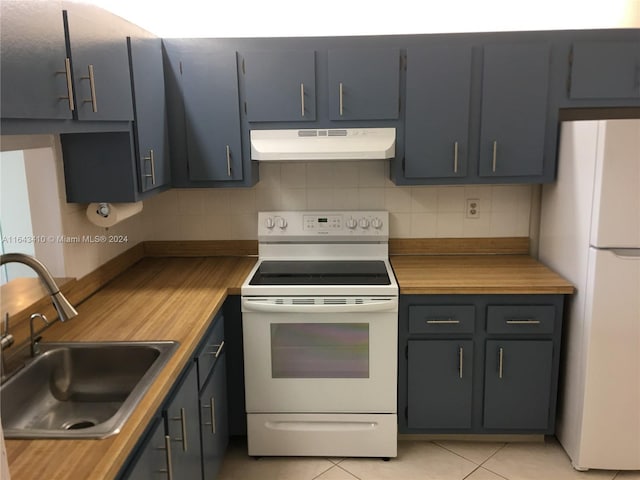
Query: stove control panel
[[289, 225]]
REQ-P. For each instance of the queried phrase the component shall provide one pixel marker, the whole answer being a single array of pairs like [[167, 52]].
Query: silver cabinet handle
[[341, 103], [167, 449], [151, 159], [495, 156], [455, 157], [524, 321], [212, 407], [218, 348], [67, 72], [92, 87], [460, 359], [302, 98], [450, 321], [500, 361], [228, 150], [183, 421]]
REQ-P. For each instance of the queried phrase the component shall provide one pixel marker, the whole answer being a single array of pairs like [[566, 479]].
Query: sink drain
[[79, 425]]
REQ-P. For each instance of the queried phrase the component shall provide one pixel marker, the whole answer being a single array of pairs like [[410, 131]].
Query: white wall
[[260, 18]]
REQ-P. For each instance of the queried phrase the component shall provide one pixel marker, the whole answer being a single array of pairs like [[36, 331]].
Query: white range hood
[[323, 144]]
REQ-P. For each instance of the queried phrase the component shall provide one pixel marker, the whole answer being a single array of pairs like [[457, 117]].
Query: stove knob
[[269, 223], [351, 223], [282, 223], [376, 223], [364, 223]]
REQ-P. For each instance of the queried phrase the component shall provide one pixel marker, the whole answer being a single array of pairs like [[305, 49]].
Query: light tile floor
[[422, 460]]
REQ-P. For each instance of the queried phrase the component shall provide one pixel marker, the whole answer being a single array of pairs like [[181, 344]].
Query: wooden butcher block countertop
[[476, 274], [156, 299]]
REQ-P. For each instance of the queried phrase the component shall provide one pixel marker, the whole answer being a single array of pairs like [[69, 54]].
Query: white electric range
[[320, 321]]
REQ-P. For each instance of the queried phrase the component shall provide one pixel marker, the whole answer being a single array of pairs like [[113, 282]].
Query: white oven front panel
[[304, 362]]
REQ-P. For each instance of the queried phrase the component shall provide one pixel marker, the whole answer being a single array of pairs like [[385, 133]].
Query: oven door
[[337, 356]]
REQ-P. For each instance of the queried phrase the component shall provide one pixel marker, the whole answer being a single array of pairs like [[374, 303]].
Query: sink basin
[[80, 390]]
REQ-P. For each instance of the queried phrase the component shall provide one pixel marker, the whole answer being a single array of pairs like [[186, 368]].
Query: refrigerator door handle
[[631, 253]]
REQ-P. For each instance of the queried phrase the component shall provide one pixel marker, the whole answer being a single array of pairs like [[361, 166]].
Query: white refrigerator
[[590, 234]]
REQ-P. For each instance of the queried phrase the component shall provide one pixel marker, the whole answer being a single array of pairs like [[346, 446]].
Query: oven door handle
[[383, 305]]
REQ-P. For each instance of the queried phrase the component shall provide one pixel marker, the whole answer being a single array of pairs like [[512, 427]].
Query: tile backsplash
[[415, 212]]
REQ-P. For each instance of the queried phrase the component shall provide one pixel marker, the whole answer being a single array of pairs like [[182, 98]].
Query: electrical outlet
[[473, 208]]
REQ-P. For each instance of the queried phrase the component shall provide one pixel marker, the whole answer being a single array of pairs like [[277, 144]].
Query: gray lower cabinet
[[213, 413], [439, 383], [191, 435], [478, 363], [518, 376]]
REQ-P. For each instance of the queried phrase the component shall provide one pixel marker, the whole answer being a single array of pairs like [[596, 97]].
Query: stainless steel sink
[[80, 390]]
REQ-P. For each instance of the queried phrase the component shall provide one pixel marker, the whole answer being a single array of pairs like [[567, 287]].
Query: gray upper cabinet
[[437, 111], [280, 85], [515, 85], [100, 64], [210, 93], [605, 70], [62, 64], [151, 138], [33, 56], [364, 83]]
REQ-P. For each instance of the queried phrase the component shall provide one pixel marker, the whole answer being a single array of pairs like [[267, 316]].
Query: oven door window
[[320, 350]]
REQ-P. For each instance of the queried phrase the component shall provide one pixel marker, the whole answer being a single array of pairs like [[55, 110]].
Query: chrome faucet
[[63, 307]]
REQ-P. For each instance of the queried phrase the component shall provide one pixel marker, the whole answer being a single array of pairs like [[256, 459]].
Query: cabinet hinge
[[180, 67], [243, 71], [245, 108], [403, 62]]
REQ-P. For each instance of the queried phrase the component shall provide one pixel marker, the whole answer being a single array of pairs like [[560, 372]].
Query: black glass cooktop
[[333, 272]]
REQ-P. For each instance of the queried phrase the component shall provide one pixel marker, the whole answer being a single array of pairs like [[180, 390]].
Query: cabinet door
[[437, 116], [280, 86], [147, 80], [514, 109], [440, 383], [33, 54], [364, 84], [517, 384], [183, 428], [151, 463], [605, 70], [213, 412], [100, 61], [210, 90]]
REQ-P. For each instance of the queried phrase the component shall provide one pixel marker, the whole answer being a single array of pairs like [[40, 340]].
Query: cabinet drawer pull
[[92, 87], [183, 421], [302, 98], [443, 321], [460, 359], [218, 348], [212, 407], [455, 157], [228, 151], [524, 321], [151, 159], [67, 73], [167, 449], [500, 362], [494, 161], [341, 103]]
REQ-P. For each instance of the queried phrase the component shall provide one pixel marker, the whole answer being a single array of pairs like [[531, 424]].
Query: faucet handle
[[6, 339]]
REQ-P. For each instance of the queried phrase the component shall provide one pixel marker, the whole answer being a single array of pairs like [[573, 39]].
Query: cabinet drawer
[[520, 319], [210, 350], [441, 319]]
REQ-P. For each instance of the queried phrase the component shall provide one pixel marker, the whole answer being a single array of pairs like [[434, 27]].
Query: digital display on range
[[323, 220]]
